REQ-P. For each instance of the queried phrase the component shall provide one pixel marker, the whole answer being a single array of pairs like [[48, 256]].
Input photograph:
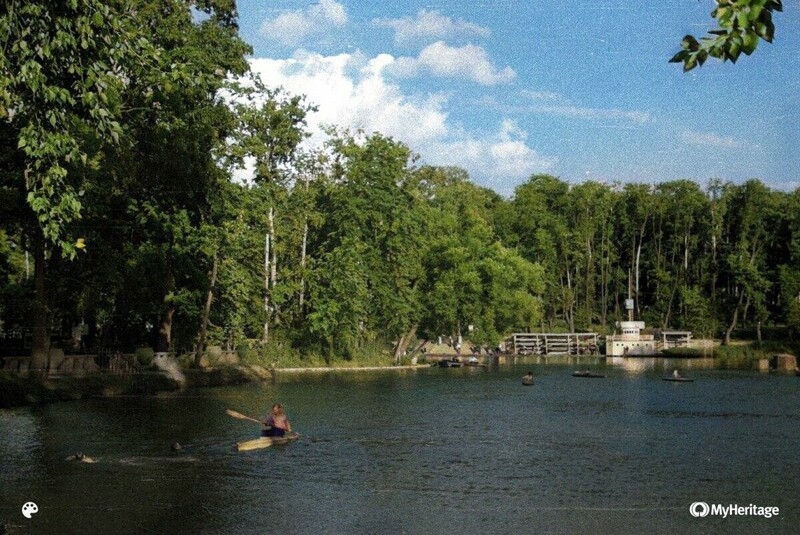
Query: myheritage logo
[[702, 509]]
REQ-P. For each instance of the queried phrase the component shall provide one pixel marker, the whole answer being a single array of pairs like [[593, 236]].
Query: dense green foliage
[[123, 226], [741, 25]]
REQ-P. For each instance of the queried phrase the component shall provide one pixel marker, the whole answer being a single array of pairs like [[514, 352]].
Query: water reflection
[[645, 364]]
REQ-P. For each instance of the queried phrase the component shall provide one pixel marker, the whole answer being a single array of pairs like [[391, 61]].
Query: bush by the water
[[145, 355], [742, 355]]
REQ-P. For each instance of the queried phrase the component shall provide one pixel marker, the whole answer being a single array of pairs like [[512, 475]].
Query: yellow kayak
[[265, 442]]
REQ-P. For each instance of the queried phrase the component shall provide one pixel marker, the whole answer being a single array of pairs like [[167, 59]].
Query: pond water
[[430, 451]]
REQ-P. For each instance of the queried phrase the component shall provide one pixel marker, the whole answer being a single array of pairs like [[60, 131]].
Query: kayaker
[[277, 423], [675, 373]]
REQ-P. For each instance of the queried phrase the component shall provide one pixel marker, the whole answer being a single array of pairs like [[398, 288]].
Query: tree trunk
[[604, 276], [402, 345], [164, 341], [636, 271], [41, 314], [668, 313], [713, 268], [303, 266], [745, 311], [329, 352], [265, 336], [732, 326], [201, 342], [589, 280], [273, 275], [418, 347], [569, 301]]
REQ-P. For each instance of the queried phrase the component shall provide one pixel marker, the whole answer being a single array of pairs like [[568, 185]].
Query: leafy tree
[[752, 216], [372, 222], [63, 70], [542, 230], [741, 25], [82, 75], [471, 278], [271, 127]]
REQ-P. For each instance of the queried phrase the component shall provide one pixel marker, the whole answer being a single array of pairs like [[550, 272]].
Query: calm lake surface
[[430, 451]]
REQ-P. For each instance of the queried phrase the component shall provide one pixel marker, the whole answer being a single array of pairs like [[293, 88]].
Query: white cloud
[[540, 95], [710, 140], [554, 104], [429, 26], [469, 62], [595, 113], [292, 27], [501, 160], [352, 91]]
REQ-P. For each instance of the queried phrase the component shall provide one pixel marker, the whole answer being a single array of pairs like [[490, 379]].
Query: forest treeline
[[124, 224]]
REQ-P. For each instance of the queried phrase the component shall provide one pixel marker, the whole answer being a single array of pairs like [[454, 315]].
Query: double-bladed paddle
[[241, 416]]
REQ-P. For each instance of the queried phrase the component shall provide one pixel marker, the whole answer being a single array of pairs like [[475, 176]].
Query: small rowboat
[[449, 364], [589, 374], [678, 379], [265, 442]]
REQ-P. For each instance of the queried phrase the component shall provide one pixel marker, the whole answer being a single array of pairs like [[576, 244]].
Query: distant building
[[631, 341]]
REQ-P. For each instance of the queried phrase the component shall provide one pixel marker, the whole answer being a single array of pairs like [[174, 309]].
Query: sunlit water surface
[[430, 451]]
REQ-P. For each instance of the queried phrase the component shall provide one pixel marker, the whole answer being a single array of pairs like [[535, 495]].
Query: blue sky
[[505, 89]]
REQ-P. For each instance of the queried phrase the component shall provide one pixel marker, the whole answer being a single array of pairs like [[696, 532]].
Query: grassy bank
[[20, 390], [282, 355], [742, 355]]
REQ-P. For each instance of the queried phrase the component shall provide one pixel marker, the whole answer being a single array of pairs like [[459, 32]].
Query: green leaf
[[690, 43], [679, 57], [749, 42]]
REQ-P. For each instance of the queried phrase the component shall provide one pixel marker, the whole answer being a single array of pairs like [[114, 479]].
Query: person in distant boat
[[527, 378], [277, 423], [675, 373]]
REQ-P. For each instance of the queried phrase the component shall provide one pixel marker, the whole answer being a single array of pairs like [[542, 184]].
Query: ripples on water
[[435, 451]]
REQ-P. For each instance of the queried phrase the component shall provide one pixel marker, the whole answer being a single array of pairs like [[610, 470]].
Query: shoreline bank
[[20, 390], [17, 390]]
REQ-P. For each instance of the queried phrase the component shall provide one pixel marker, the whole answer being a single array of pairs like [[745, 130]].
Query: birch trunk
[[265, 336], [402, 344], [274, 267], [303, 266]]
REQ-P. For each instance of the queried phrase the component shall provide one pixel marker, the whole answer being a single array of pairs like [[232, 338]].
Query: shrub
[[144, 356]]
